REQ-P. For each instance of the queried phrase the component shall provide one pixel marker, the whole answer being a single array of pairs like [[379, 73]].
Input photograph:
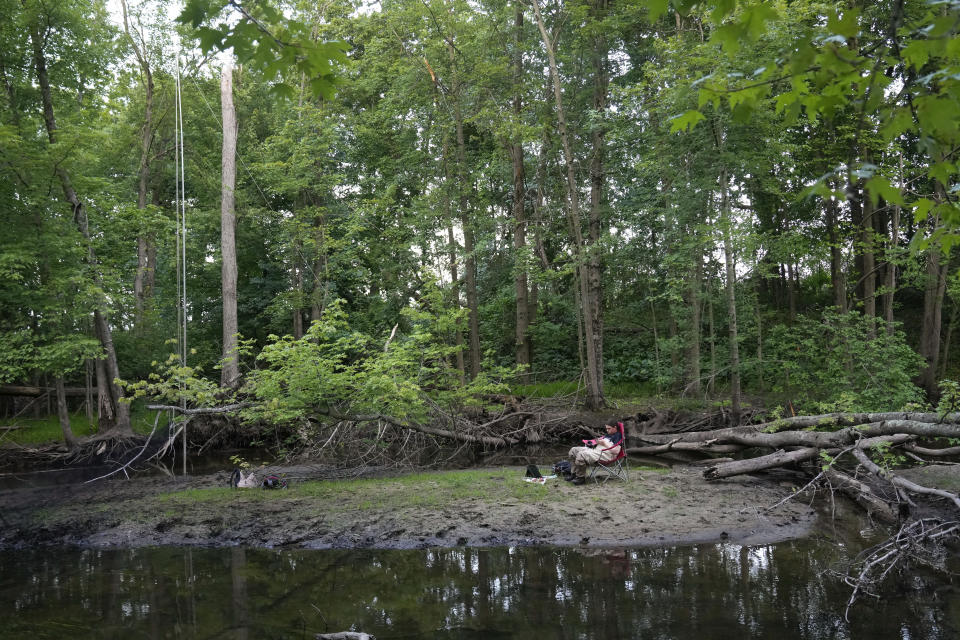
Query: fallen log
[[344, 635], [750, 465], [903, 483], [928, 424], [780, 458], [696, 447], [936, 453], [863, 495]]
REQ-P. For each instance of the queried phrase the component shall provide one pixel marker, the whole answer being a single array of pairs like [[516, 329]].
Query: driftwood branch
[[898, 481]]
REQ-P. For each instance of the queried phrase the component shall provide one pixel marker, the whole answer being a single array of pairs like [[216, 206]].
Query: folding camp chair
[[616, 468]]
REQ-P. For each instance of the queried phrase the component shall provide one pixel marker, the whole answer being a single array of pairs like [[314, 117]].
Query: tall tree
[[521, 292], [230, 374], [587, 303], [44, 23]]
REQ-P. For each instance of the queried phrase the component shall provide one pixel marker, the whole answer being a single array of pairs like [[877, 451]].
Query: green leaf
[[685, 121], [657, 8], [845, 24], [879, 187], [921, 208], [210, 38]]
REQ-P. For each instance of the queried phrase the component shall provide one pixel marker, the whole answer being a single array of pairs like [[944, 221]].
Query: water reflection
[[709, 591]]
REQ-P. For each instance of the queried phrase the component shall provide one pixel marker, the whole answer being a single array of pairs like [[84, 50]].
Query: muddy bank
[[477, 508]]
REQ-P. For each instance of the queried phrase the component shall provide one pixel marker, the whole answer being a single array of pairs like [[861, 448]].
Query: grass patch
[[435, 489], [33, 431], [650, 469]]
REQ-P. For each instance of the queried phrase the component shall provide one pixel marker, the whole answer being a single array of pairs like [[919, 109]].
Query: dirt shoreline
[[653, 509]]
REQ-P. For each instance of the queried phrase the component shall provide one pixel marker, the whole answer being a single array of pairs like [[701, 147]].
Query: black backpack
[[273, 482], [533, 471], [562, 468]]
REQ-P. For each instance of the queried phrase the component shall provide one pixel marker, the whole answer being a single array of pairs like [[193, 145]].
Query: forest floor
[[478, 507]]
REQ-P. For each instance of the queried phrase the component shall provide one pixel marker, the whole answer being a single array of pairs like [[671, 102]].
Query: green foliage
[[337, 370], [832, 363], [262, 37], [174, 384], [826, 460], [886, 457], [842, 64], [949, 397]]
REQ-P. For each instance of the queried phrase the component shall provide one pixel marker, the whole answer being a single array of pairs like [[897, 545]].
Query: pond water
[[706, 592]]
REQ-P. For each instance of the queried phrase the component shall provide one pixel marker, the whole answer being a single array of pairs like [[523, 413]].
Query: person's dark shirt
[[615, 438]]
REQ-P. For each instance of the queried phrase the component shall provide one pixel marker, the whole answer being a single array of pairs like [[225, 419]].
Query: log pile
[[837, 447], [855, 454]]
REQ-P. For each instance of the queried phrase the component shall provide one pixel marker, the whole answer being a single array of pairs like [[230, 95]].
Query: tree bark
[[522, 302], [731, 273], [597, 182], [594, 396], [117, 418], [693, 336], [142, 285], [64, 415], [836, 257], [890, 283], [936, 282], [452, 257], [470, 261], [230, 373]]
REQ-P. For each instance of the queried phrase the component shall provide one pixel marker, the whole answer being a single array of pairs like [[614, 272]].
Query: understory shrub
[[841, 362]]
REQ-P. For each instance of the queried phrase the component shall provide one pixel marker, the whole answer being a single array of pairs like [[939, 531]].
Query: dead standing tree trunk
[[230, 374], [146, 253]]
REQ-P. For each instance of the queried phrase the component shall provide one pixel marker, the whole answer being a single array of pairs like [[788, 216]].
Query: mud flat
[[479, 507]]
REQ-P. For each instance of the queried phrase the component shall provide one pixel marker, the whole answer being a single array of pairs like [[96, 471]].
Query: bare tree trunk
[[119, 410], [726, 224], [594, 399], [836, 258], [519, 214], [230, 374], [597, 181], [297, 267], [693, 337], [869, 265], [932, 314], [891, 279], [140, 285], [452, 256], [470, 261], [64, 416]]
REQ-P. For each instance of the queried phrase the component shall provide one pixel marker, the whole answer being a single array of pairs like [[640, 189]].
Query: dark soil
[[654, 508]]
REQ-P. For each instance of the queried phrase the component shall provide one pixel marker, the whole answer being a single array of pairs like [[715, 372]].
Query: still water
[[706, 592]]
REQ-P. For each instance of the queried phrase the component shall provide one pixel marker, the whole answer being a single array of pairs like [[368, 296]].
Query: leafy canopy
[[264, 38]]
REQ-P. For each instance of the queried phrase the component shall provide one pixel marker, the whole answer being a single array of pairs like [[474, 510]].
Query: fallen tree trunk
[[863, 495], [781, 458], [903, 483], [695, 447], [927, 424]]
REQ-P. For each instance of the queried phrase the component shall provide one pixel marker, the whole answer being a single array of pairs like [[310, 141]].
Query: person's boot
[[579, 480]]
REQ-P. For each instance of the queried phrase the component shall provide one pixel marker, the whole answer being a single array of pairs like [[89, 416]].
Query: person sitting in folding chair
[[603, 449]]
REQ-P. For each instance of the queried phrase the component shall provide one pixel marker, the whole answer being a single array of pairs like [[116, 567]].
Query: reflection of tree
[[709, 591], [238, 566]]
